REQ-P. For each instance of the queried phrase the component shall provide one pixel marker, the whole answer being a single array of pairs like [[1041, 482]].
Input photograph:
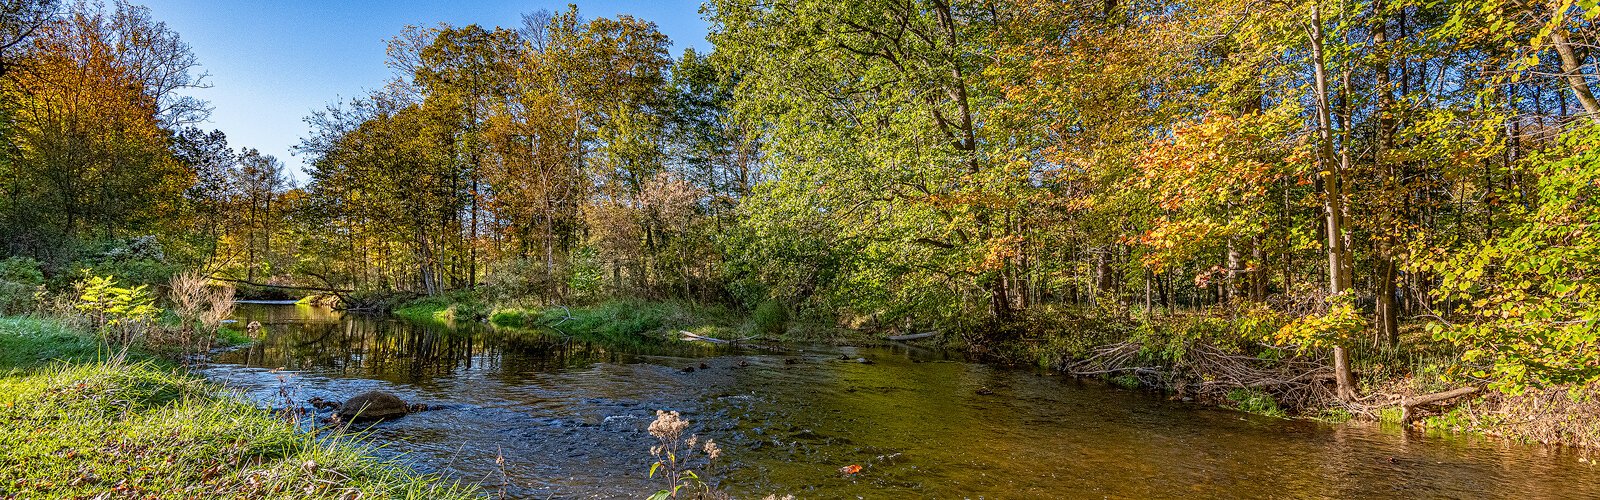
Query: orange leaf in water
[[850, 469]]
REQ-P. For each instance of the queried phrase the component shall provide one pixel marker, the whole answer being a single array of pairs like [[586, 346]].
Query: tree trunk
[[1572, 68], [1387, 307], [1333, 185]]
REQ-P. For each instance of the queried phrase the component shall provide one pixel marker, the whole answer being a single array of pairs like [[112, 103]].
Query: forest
[[1377, 204]]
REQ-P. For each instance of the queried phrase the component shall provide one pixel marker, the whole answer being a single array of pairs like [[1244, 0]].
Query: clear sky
[[273, 62]]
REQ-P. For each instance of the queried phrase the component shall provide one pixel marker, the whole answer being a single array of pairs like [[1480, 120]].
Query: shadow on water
[[569, 415]]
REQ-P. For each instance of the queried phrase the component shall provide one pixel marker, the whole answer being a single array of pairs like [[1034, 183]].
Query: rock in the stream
[[373, 405]]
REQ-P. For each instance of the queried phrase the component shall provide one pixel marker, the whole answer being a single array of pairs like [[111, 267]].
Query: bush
[[137, 261], [21, 270], [585, 276], [516, 279], [20, 278], [200, 307], [121, 314], [771, 318]]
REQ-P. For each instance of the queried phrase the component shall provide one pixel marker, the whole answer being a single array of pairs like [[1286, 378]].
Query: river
[[568, 417]]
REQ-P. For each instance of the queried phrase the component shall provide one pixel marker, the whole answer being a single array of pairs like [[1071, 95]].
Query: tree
[[20, 20], [90, 148], [872, 115], [261, 183]]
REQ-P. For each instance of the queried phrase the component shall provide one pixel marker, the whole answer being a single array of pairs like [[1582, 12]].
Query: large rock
[[373, 405]]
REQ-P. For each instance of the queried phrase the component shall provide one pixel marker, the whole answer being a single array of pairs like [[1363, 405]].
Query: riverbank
[[627, 320], [84, 420], [1210, 357], [1216, 357]]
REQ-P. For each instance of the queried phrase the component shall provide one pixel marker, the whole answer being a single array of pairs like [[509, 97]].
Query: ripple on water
[[569, 417]]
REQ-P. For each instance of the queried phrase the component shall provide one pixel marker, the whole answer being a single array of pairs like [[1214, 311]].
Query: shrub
[[200, 306], [20, 279], [516, 279], [21, 270], [138, 261], [120, 314], [585, 276], [771, 318]]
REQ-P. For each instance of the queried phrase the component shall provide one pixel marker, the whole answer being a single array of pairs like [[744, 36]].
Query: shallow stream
[[569, 416]]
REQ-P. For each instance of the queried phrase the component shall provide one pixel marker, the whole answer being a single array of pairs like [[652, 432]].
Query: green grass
[[26, 343], [636, 320], [445, 308], [78, 424], [1255, 401]]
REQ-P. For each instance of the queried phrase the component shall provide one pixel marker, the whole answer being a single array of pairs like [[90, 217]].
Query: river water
[[568, 417]]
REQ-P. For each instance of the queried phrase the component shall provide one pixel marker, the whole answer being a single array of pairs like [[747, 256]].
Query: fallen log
[[913, 336], [1408, 406], [335, 291]]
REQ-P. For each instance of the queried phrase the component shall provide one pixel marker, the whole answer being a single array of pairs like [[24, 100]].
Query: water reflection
[[569, 416], [305, 338]]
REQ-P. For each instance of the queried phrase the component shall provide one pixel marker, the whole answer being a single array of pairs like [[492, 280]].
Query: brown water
[[568, 415]]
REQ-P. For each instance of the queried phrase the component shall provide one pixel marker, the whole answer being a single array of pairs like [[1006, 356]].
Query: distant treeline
[[1345, 166]]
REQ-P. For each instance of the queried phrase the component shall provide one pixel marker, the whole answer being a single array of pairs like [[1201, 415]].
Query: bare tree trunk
[[1387, 308], [1572, 68], [1333, 203]]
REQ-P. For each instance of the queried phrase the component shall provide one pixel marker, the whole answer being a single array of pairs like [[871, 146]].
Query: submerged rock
[[373, 405]]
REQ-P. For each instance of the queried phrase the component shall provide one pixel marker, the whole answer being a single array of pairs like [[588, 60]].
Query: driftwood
[[1210, 372], [701, 338], [563, 320], [1408, 406], [913, 336]]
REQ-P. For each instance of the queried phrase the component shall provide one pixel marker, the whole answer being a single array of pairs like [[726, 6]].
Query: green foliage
[[22, 270], [136, 261], [771, 318], [1339, 326], [586, 277], [1255, 401], [1126, 381], [20, 281], [1529, 299], [119, 313], [1168, 341]]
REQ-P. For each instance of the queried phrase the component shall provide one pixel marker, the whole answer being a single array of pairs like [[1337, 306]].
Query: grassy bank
[[81, 423], [624, 320]]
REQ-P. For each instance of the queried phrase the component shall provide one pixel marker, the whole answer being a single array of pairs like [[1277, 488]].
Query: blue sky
[[272, 63]]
